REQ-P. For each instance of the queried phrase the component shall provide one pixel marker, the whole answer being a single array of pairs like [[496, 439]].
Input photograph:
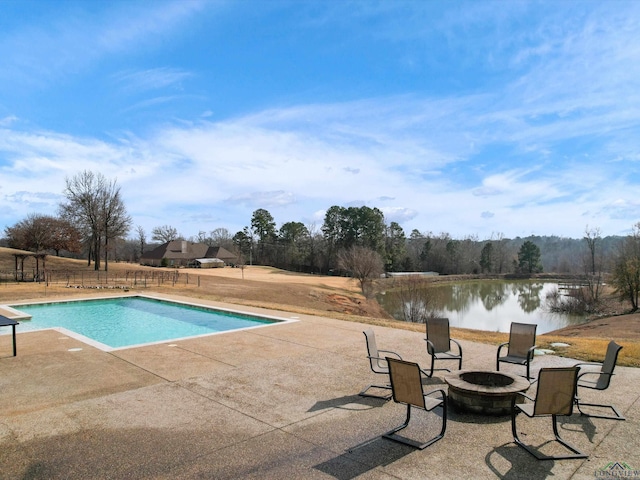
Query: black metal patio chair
[[520, 347], [440, 345], [599, 379], [406, 385], [555, 396]]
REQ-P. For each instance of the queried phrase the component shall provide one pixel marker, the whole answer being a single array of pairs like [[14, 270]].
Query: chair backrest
[[438, 334], [522, 337], [406, 382], [378, 365], [610, 359], [556, 391]]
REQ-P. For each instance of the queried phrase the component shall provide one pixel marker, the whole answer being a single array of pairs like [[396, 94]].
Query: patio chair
[[555, 396], [440, 344], [406, 385], [602, 379], [378, 364], [520, 347]]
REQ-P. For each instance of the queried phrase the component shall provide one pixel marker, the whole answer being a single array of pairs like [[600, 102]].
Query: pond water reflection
[[490, 304]]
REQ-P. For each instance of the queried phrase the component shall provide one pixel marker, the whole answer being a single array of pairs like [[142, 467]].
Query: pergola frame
[[23, 257]]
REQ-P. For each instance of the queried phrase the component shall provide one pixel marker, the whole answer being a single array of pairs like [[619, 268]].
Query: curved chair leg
[[391, 434], [575, 452], [616, 415]]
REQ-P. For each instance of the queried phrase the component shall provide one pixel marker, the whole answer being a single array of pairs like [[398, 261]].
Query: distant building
[[181, 253], [208, 263]]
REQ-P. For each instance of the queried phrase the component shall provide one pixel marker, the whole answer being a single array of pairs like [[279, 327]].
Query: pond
[[484, 304]]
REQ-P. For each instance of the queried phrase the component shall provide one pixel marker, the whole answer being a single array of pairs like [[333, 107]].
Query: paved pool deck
[[279, 402]]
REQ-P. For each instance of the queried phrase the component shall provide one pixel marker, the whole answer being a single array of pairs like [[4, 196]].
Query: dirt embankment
[[621, 326]]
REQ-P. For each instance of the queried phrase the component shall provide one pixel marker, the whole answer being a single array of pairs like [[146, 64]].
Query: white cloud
[[399, 215], [544, 141], [265, 200], [151, 79]]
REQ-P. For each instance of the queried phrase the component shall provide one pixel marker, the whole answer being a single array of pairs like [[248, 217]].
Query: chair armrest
[[397, 355], [598, 373], [378, 364], [376, 358], [531, 352], [458, 344], [501, 346], [430, 347], [599, 382], [586, 364]]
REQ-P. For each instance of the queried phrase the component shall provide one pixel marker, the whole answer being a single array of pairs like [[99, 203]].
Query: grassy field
[[336, 297]]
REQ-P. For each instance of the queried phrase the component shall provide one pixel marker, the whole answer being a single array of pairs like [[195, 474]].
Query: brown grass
[[336, 297]]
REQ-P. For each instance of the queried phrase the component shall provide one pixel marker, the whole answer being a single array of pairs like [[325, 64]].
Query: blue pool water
[[127, 321]]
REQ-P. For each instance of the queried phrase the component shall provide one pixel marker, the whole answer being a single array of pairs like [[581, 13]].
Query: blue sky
[[476, 118]]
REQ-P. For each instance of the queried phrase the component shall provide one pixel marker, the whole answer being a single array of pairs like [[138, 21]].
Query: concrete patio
[[278, 402]]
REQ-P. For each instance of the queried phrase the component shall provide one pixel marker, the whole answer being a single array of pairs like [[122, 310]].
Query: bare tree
[[95, 207], [362, 263], [82, 209], [142, 239], [43, 232], [29, 234], [413, 298], [500, 252], [626, 273], [594, 265], [221, 237], [115, 220], [165, 233], [63, 236], [593, 239]]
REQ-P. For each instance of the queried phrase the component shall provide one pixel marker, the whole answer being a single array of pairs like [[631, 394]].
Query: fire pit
[[484, 392]]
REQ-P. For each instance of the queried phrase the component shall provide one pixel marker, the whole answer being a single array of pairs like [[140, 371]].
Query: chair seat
[[445, 355], [514, 359]]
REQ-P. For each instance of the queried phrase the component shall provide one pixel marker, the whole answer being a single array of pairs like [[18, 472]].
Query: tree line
[[93, 222]]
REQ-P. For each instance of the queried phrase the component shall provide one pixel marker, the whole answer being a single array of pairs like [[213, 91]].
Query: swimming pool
[[124, 322]]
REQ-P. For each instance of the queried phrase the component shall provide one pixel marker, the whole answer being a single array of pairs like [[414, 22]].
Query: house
[[181, 253]]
